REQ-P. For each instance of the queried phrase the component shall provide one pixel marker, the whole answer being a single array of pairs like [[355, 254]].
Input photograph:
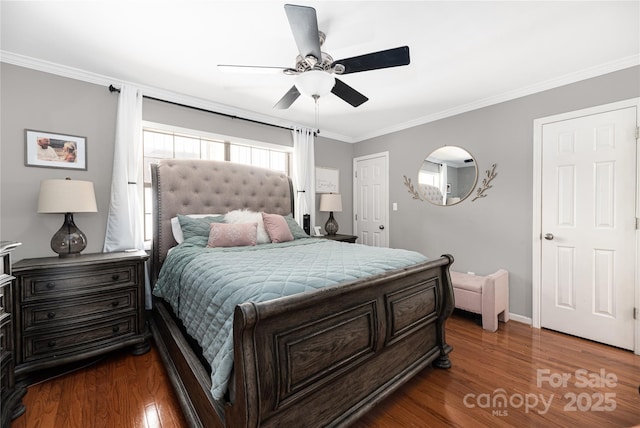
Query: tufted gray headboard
[[181, 186]]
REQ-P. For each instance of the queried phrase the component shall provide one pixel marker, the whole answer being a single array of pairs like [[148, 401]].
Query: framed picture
[[327, 180], [49, 150]]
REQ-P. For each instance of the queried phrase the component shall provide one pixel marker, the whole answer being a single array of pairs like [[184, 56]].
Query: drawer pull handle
[[51, 343], [116, 328], [115, 277], [115, 303], [51, 315], [51, 285]]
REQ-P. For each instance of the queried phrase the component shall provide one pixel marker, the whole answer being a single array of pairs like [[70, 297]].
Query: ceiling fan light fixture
[[315, 82]]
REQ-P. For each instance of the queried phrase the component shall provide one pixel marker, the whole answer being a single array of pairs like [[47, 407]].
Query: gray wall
[[46, 102], [496, 231], [483, 235], [171, 114], [41, 101], [335, 154]]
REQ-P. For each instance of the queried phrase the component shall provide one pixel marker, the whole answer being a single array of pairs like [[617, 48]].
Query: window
[[428, 177], [162, 142]]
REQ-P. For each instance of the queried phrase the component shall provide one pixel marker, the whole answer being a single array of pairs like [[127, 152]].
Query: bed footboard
[[190, 379], [325, 358]]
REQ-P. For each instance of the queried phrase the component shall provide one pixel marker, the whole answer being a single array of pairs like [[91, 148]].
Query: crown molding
[[53, 68], [99, 79], [609, 67]]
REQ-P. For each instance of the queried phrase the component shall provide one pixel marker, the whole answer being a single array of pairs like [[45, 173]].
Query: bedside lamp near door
[[67, 197], [331, 202]]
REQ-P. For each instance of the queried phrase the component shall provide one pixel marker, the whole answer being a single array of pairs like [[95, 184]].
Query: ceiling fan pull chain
[[316, 98]]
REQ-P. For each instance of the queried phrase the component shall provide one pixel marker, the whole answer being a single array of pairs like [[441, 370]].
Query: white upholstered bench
[[485, 295]]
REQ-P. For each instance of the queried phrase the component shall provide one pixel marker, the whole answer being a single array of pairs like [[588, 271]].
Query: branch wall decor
[[411, 189], [491, 174]]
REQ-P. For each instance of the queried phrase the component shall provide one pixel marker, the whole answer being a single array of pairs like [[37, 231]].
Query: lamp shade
[[315, 82], [66, 196], [331, 202]]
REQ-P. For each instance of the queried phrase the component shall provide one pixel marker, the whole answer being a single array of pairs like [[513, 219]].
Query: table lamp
[[67, 197], [331, 202]]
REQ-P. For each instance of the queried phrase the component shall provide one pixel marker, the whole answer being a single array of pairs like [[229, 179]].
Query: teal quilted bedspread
[[204, 285]]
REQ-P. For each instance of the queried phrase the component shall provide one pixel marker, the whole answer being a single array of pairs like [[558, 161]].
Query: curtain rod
[[114, 89]]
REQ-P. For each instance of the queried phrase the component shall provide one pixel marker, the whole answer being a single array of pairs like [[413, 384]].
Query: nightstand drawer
[[6, 372], [60, 312], [76, 281], [61, 343], [3, 299], [5, 331], [3, 340]]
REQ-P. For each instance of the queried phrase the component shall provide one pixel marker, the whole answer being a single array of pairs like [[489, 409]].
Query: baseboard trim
[[520, 318]]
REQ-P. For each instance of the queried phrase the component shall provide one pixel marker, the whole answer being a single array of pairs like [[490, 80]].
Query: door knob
[[381, 227], [548, 236]]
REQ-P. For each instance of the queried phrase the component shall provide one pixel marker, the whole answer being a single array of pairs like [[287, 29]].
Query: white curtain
[[124, 222], [443, 182], [304, 174]]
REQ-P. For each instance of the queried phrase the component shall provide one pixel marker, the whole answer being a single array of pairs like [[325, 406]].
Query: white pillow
[[177, 230], [246, 216]]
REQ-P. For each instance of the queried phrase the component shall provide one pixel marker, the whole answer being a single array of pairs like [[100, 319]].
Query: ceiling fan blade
[[375, 60], [304, 25], [348, 94], [252, 69], [288, 98]]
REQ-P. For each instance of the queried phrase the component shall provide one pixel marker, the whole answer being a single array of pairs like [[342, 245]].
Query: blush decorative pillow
[[277, 228], [232, 235], [246, 216]]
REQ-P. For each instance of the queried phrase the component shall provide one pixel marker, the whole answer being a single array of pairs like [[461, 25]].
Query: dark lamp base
[[69, 241], [331, 226]]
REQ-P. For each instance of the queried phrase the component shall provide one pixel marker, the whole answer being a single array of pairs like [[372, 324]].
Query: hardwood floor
[[519, 376], [118, 391]]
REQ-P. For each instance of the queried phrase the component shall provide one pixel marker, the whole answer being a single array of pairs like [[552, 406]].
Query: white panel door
[[371, 199], [588, 226]]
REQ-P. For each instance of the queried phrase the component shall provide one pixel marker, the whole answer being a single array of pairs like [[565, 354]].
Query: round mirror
[[447, 176]]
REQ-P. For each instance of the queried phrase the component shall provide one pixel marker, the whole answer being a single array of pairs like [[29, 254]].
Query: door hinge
[[637, 132], [635, 313], [637, 223], [356, 217]]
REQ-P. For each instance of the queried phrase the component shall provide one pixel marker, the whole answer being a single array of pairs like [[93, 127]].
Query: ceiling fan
[[315, 70]]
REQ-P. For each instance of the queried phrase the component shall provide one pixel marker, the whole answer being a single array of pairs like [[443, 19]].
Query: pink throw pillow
[[232, 235], [277, 228]]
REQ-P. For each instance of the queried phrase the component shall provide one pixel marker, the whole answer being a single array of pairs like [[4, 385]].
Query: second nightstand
[[10, 395], [338, 237], [74, 308]]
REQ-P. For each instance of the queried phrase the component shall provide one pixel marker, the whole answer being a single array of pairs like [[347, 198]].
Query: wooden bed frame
[[320, 358]]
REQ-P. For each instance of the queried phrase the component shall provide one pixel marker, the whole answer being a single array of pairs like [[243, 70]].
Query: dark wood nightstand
[[10, 396], [68, 309], [338, 237]]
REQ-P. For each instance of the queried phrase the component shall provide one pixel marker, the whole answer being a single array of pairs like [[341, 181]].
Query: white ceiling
[[464, 55]]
